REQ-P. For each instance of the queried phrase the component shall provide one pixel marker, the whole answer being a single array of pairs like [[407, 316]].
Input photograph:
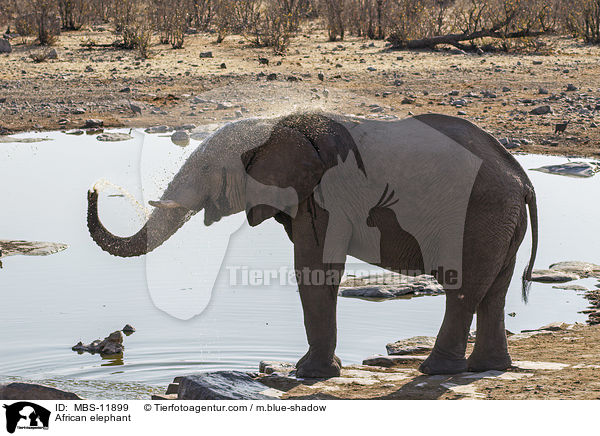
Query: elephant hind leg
[[491, 348], [480, 271], [448, 354]]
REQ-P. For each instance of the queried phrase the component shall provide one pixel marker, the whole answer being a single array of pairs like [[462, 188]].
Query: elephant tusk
[[165, 204]]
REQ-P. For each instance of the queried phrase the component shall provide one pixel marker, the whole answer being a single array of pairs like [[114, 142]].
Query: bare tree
[[74, 13], [473, 19], [202, 13], [171, 18], [333, 14], [41, 19], [582, 19]]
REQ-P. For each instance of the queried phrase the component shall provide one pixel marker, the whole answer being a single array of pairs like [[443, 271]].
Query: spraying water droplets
[[106, 185]]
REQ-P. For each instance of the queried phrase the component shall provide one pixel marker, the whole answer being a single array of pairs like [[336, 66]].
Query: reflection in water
[[112, 360], [50, 302]]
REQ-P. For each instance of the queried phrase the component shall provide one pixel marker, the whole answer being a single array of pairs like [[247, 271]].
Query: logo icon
[[26, 415]]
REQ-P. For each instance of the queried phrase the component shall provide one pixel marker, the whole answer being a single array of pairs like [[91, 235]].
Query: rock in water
[[114, 137], [271, 366], [390, 285], [571, 287], [158, 129], [128, 328], [111, 345], [9, 139], [574, 169], [583, 269], [223, 385], [552, 276], [32, 391], [414, 345], [180, 138], [30, 248]]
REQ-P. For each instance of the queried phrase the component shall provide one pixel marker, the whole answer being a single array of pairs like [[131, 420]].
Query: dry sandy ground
[[562, 364], [359, 77]]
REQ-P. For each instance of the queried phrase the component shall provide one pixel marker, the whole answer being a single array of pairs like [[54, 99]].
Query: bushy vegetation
[[271, 23]]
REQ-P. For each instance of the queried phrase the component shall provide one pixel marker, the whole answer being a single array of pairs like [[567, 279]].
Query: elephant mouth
[[212, 214]]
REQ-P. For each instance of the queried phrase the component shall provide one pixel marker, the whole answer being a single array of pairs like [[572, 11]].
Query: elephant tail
[[533, 216]]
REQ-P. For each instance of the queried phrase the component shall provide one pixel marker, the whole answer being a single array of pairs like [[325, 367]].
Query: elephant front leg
[[318, 283], [319, 306]]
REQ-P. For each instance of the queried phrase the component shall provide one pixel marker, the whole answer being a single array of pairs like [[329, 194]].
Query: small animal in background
[[136, 109], [263, 61], [561, 127]]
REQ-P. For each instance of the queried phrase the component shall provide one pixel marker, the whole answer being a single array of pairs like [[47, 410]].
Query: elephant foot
[[311, 366], [488, 363], [436, 364]]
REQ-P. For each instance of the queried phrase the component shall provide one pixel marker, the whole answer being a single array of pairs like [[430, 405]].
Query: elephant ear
[[282, 173]]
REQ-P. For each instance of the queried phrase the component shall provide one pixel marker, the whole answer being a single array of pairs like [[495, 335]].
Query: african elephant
[[431, 193]]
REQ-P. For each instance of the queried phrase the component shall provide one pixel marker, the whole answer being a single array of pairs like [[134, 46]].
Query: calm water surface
[[50, 303]]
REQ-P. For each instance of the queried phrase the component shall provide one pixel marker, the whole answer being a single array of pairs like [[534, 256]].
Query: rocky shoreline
[[557, 361], [396, 376], [563, 272]]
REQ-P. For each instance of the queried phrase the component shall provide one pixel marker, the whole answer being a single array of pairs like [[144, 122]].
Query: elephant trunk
[[161, 225]]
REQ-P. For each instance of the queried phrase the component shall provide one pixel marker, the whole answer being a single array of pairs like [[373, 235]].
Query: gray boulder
[[414, 345], [5, 46], [188, 127], [541, 110], [29, 248], [552, 276], [223, 385], [32, 391], [10, 139], [570, 287], [390, 285], [583, 269], [114, 137], [111, 345], [180, 138], [158, 129], [271, 366], [93, 124], [573, 169], [128, 329]]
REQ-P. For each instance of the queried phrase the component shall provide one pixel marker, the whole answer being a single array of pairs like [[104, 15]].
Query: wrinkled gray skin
[[233, 170]]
